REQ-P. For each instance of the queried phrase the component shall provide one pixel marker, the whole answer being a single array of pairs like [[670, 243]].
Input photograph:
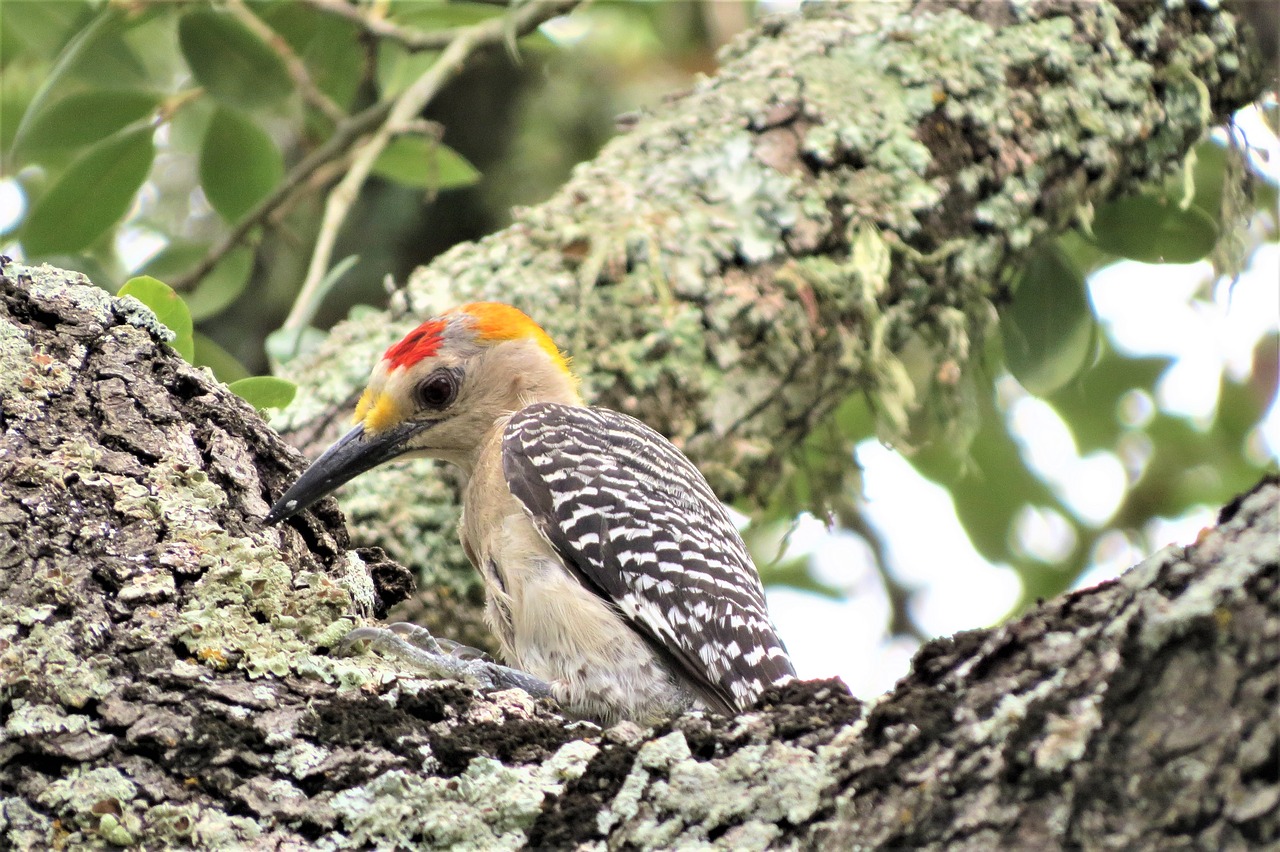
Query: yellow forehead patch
[[378, 411]]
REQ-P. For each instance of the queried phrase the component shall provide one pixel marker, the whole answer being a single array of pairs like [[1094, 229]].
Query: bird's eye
[[437, 390]]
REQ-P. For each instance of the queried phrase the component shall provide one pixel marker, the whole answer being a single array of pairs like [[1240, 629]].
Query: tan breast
[[547, 623]]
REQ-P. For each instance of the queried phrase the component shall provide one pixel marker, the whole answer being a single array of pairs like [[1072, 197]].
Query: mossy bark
[[167, 676]]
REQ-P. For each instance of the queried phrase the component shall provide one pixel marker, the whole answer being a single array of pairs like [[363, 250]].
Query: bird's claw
[[442, 658], [420, 637]]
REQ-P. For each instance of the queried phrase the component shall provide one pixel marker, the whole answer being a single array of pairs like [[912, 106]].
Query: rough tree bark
[[165, 676], [849, 188]]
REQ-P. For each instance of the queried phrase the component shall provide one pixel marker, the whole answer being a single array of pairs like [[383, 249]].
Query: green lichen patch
[[24, 826], [100, 801], [249, 608], [137, 314], [671, 797], [28, 719], [28, 378], [488, 807], [50, 661]]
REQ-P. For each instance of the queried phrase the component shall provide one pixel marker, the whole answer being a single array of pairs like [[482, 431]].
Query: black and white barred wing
[[638, 524]]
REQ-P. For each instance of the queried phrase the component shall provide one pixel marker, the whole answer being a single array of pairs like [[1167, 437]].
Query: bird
[[615, 581]]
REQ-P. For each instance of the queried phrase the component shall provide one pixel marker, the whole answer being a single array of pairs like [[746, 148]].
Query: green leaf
[[111, 57], [39, 29], [168, 308], [105, 25], [425, 164], [1154, 230], [233, 64], [1049, 331], [264, 392], [397, 67], [19, 87], [239, 164], [328, 45], [226, 367], [82, 119], [222, 285], [93, 194], [1083, 253]]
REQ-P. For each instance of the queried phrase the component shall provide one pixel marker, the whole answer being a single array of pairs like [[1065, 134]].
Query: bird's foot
[[420, 637], [442, 658]]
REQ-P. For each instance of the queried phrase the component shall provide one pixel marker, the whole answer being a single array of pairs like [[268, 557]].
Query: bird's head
[[438, 393]]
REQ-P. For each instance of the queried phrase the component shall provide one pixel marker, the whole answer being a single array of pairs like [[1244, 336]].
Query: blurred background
[[164, 139]]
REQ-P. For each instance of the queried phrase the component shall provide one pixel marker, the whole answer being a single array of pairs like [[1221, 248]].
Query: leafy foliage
[[117, 122], [1155, 230], [262, 392], [230, 62], [89, 197], [425, 164], [239, 164]]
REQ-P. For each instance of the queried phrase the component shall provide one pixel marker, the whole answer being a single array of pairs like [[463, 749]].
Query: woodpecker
[[612, 574]]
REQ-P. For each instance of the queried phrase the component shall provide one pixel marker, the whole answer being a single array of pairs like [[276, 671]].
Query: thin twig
[[296, 67], [403, 111], [411, 40]]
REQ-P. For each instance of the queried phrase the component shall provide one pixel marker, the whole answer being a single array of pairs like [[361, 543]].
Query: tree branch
[[379, 28]]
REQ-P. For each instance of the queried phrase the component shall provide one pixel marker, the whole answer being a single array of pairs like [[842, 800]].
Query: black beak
[[353, 454]]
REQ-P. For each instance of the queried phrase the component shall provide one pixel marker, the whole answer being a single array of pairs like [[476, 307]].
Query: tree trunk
[[166, 675]]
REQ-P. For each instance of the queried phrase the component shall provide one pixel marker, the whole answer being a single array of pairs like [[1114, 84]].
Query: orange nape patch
[[423, 342], [494, 321]]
